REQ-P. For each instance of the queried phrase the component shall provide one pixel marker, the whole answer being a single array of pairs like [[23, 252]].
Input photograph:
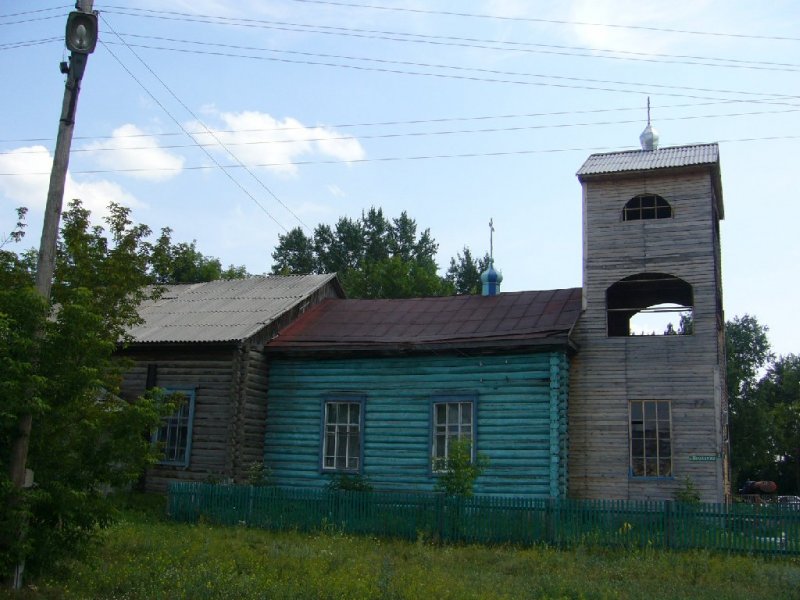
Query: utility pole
[[81, 38]]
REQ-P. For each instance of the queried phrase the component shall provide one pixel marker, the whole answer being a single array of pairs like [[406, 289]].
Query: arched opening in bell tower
[[649, 304]]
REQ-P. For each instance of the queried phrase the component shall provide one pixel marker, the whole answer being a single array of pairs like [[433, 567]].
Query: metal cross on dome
[[491, 239]]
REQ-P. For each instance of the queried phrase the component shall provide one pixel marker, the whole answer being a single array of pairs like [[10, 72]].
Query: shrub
[[687, 493], [459, 471], [350, 483]]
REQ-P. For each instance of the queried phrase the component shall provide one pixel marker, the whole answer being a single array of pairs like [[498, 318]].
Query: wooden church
[[561, 390]]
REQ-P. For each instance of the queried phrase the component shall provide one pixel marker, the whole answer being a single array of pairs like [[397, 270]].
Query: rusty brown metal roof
[[641, 160], [514, 319], [222, 311]]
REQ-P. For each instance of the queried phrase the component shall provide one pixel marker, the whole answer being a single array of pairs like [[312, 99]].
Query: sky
[[234, 122]]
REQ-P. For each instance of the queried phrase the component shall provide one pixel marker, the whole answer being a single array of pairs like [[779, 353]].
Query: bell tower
[[648, 407]]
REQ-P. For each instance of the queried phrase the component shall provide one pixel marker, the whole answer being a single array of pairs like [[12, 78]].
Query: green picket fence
[[763, 529]]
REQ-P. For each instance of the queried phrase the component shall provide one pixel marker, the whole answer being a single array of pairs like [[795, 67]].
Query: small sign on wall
[[703, 457]]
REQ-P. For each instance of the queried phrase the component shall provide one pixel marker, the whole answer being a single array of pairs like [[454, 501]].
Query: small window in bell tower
[[646, 206]]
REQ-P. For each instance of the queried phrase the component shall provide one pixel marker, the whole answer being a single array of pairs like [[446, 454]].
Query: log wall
[[520, 419], [209, 371]]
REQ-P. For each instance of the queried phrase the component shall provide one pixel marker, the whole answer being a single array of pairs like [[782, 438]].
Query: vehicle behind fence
[[766, 529]]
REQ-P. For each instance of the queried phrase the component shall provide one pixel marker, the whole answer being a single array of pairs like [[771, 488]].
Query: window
[[646, 206], [452, 420], [649, 304], [175, 434], [342, 439], [651, 438]]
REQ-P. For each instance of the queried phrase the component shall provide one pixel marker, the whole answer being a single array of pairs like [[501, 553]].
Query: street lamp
[[81, 32]]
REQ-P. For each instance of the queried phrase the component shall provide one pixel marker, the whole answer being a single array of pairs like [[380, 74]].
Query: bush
[[350, 483], [687, 493], [458, 470]]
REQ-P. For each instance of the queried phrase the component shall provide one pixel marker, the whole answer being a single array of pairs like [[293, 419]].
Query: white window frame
[[452, 417], [650, 435], [175, 432], [342, 443]]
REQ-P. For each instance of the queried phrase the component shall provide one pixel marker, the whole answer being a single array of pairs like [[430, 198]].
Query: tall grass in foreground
[[144, 557]]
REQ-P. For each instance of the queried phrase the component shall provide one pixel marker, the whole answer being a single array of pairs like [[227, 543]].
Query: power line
[[499, 45], [31, 12], [399, 134], [24, 44], [221, 144], [782, 67], [210, 156], [400, 158], [405, 122], [551, 21], [32, 20], [441, 120], [475, 78]]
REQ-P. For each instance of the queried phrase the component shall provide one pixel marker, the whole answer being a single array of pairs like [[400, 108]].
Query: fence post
[[548, 521], [440, 516], [669, 524]]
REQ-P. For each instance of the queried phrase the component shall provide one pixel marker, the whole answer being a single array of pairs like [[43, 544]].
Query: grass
[[143, 556]]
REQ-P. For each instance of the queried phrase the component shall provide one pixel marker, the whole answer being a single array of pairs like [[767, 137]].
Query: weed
[[687, 493], [155, 559]]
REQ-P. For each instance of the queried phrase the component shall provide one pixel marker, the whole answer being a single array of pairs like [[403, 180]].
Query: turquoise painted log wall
[[520, 423]]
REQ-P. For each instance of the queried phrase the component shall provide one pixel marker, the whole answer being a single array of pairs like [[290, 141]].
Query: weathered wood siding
[[520, 424], [251, 411], [231, 382], [209, 371], [608, 372]]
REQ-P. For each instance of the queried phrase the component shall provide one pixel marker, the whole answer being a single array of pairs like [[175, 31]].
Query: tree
[[748, 352], [465, 272], [374, 257], [294, 254], [57, 363], [778, 393], [184, 263]]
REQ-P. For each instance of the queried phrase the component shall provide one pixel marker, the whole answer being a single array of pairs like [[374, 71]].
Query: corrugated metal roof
[[222, 311], [641, 160], [516, 318]]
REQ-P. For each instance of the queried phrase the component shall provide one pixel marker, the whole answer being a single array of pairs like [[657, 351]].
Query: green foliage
[[19, 229], [748, 351], [465, 272], [259, 475], [764, 395], [687, 493], [138, 559], [459, 471], [57, 364], [184, 263], [294, 254], [777, 396], [350, 483], [374, 257], [686, 324]]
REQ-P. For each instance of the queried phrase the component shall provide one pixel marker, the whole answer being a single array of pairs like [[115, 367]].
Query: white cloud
[[642, 13], [28, 187], [257, 138], [332, 144], [131, 148]]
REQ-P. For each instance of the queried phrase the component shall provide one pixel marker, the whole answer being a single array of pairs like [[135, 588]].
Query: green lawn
[[145, 557]]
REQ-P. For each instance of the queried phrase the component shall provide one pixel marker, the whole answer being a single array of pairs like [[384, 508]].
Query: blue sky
[[455, 111]]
